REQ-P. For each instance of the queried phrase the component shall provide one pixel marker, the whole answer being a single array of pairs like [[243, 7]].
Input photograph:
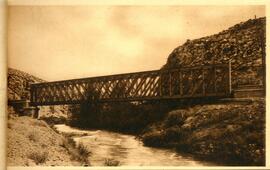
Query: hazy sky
[[64, 42]]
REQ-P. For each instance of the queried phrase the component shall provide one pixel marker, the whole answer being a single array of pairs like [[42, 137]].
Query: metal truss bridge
[[178, 83]]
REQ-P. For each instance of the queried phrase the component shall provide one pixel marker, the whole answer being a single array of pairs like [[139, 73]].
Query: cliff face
[[243, 44]]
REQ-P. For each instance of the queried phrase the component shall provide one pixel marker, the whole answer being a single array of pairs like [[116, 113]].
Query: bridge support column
[[31, 111]]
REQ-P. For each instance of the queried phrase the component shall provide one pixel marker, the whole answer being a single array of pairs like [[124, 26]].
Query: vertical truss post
[[170, 85], [229, 77], [160, 83], [203, 81], [215, 81], [181, 82]]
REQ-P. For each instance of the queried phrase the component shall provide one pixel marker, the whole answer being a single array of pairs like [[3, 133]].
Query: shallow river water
[[126, 149]]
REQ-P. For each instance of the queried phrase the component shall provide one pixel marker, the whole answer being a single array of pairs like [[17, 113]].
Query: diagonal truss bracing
[[189, 82]]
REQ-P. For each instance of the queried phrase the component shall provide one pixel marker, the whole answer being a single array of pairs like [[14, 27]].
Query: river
[[127, 150]]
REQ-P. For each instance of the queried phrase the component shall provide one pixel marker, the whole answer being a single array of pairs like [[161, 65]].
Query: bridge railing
[[188, 82]]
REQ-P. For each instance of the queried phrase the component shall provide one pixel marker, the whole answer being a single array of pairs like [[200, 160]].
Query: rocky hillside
[[18, 88], [18, 84], [243, 44]]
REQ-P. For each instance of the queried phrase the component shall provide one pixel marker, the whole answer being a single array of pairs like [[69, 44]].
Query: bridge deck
[[189, 82]]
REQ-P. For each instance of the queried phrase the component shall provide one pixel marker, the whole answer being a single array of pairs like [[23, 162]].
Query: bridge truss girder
[[179, 83]]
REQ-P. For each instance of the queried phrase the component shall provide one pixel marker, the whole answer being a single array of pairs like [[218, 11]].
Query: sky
[[66, 42]]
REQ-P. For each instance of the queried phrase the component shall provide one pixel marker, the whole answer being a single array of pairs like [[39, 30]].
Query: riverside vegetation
[[233, 134]]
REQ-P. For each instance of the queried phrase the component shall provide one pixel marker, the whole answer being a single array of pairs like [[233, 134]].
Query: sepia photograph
[[136, 85]]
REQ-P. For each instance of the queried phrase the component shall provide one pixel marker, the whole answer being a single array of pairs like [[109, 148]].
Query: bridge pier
[[31, 111], [24, 109]]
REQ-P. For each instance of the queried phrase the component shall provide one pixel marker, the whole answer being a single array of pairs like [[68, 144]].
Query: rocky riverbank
[[230, 133]]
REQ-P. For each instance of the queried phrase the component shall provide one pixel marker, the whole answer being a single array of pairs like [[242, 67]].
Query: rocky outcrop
[[18, 84], [242, 44]]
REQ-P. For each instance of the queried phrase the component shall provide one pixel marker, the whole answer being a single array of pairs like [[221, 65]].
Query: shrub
[[38, 157], [174, 134], [83, 153], [111, 162], [68, 143], [79, 153], [153, 139], [175, 118]]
